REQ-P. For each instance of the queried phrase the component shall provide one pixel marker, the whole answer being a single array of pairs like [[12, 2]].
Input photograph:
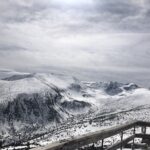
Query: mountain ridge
[[32, 101]]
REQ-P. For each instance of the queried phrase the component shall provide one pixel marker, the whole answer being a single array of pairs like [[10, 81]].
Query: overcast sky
[[98, 38]]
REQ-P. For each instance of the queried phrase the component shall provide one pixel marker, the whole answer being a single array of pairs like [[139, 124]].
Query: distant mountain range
[[31, 101]]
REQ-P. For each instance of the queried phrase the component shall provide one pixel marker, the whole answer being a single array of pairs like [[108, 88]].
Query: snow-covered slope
[[31, 83], [38, 98], [29, 102]]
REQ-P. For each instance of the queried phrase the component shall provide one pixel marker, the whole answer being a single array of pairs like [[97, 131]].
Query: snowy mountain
[[33, 103], [38, 98]]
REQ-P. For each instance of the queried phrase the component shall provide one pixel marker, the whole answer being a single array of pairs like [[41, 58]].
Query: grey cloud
[[93, 35], [118, 7], [21, 11], [11, 48], [121, 15]]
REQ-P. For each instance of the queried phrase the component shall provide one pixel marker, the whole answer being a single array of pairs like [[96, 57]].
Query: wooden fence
[[76, 143]]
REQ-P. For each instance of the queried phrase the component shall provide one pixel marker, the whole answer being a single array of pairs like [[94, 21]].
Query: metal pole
[[121, 140], [102, 144], [134, 130]]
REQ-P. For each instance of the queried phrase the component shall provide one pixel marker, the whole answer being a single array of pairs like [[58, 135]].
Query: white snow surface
[[90, 92], [135, 103], [34, 84]]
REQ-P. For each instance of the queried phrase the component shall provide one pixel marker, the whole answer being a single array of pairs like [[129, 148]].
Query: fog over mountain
[[94, 39]]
